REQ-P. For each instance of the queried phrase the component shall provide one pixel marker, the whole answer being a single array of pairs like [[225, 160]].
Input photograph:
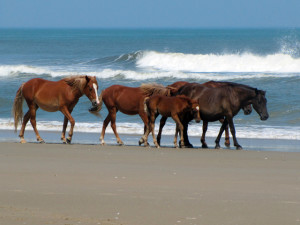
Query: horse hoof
[[227, 144], [217, 147], [186, 144], [23, 141], [141, 142], [121, 143], [204, 146], [40, 140], [69, 140], [239, 147]]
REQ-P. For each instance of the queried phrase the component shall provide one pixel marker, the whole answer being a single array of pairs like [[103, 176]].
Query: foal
[[179, 108]]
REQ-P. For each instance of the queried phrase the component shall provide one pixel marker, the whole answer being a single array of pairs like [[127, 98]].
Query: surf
[[220, 63]]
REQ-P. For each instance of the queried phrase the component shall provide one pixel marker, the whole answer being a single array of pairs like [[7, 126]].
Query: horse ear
[[87, 78]]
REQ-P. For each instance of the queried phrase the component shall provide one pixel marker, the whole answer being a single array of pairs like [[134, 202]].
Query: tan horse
[[128, 100], [181, 108], [52, 96]]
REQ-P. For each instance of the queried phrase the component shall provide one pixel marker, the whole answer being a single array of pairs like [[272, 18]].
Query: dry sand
[[109, 185]]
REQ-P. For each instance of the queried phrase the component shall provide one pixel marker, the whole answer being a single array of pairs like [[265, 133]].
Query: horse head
[[196, 111], [247, 109], [259, 103], [91, 90]]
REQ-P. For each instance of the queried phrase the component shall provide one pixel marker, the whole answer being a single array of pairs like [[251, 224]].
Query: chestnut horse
[[128, 100], [178, 107], [174, 89], [52, 96], [225, 102]]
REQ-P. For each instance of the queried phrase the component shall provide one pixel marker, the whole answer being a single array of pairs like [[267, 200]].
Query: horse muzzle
[[197, 120], [94, 103], [264, 117]]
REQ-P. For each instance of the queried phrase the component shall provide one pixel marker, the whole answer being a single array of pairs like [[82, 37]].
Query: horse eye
[[91, 89]]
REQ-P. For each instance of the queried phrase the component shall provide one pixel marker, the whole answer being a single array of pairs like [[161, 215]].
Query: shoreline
[[130, 185], [251, 144]]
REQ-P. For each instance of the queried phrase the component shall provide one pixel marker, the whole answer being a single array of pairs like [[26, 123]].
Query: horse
[[173, 91], [225, 102], [52, 96], [178, 107], [128, 100]]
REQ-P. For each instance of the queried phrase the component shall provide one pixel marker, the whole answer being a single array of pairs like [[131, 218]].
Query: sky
[[149, 14]]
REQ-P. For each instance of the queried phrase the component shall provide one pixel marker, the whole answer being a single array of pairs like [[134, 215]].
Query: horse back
[[128, 100], [49, 95], [167, 106]]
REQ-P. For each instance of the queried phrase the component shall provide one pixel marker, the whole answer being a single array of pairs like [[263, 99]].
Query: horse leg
[[25, 121], [187, 143], [145, 119], [113, 115], [227, 140], [232, 130], [67, 114], [217, 141], [204, 129], [32, 109], [161, 126], [105, 124], [63, 134], [175, 137], [181, 128], [152, 124], [147, 132]]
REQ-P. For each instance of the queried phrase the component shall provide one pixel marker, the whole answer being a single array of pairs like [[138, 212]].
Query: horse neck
[[245, 94]]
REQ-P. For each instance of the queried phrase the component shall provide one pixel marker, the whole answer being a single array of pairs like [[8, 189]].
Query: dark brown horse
[[128, 100], [52, 96], [178, 107], [225, 102], [213, 84]]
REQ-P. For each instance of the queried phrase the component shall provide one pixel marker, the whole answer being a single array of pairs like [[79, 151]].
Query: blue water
[[267, 59]]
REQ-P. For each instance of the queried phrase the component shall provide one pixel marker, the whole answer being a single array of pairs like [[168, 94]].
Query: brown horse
[[128, 100], [213, 84], [179, 108], [225, 102], [52, 96]]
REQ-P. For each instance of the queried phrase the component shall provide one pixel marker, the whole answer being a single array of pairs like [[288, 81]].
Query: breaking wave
[[245, 63]]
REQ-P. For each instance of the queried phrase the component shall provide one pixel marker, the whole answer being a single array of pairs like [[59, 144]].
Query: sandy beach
[[130, 185]]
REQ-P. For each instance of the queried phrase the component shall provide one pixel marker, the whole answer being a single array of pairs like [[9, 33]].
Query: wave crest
[[246, 62]]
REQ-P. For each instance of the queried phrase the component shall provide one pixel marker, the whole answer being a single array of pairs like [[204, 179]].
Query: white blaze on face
[[95, 88], [197, 107]]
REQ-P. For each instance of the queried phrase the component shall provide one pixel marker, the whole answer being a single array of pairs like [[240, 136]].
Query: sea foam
[[245, 62], [249, 131]]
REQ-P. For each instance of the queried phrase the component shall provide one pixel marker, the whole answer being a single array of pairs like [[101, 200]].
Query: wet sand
[[130, 185]]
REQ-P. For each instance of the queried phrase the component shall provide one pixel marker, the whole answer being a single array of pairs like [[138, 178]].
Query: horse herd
[[183, 101]]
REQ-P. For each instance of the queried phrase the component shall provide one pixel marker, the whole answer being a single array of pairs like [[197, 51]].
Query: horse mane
[[232, 84], [76, 82], [150, 89]]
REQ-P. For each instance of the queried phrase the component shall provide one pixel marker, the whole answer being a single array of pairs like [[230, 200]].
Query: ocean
[[268, 59]]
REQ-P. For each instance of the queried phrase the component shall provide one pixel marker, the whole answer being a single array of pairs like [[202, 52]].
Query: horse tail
[[17, 110], [146, 100]]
